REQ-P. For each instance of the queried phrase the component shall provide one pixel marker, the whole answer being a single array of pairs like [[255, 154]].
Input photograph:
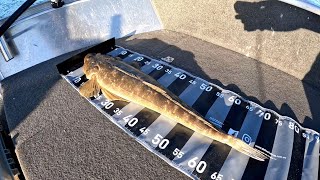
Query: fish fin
[[135, 64], [246, 149], [156, 88], [90, 88], [134, 73], [143, 79], [117, 58], [112, 97], [125, 72], [148, 80]]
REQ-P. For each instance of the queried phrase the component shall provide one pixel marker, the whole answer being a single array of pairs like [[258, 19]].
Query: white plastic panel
[[77, 25]]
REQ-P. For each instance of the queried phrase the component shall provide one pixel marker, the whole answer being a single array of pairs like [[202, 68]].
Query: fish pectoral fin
[[90, 88], [135, 64], [112, 97]]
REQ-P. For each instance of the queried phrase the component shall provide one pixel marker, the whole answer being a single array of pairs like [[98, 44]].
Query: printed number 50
[[216, 176], [158, 140]]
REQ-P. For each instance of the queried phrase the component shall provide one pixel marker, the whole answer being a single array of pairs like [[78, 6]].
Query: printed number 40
[[216, 176]]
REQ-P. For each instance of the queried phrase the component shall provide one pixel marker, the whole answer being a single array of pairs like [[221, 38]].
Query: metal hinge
[[5, 49], [12, 164], [57, 3], [9, 164]]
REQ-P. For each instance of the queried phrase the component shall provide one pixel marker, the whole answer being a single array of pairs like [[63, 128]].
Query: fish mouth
[[90, 66]]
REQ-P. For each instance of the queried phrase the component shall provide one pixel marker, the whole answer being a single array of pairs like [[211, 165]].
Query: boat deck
[[59, 135]]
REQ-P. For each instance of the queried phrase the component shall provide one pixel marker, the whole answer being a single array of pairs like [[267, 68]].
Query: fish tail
[[231, 141], [246, 149]]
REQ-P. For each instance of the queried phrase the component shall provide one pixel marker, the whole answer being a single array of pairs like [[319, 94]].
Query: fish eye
[[96, 68]]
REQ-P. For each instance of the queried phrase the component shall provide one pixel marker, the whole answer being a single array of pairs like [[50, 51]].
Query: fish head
[[93, 63]]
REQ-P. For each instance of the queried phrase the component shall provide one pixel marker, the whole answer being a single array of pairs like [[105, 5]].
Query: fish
[[118, 80]]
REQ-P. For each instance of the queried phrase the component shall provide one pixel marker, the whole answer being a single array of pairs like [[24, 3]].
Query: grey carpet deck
[[275, 33], [59, 135]]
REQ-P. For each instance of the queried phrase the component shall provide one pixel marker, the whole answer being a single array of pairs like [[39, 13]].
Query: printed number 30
[[216, 176]]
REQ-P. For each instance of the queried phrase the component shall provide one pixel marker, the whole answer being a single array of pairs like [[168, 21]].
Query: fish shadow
[[188, 60]]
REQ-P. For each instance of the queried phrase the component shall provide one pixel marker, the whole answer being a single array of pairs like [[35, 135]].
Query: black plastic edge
[[77, 60], [8, 147]]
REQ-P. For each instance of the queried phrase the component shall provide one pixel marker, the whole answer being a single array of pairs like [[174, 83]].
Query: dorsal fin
[[145, 81]]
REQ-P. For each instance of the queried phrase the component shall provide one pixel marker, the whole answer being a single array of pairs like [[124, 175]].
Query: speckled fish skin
[[127, 82]]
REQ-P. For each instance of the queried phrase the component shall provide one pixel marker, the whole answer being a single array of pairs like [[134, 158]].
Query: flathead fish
[[118, 80]]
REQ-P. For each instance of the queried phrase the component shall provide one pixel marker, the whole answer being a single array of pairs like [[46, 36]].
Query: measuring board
[[295, 149]]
